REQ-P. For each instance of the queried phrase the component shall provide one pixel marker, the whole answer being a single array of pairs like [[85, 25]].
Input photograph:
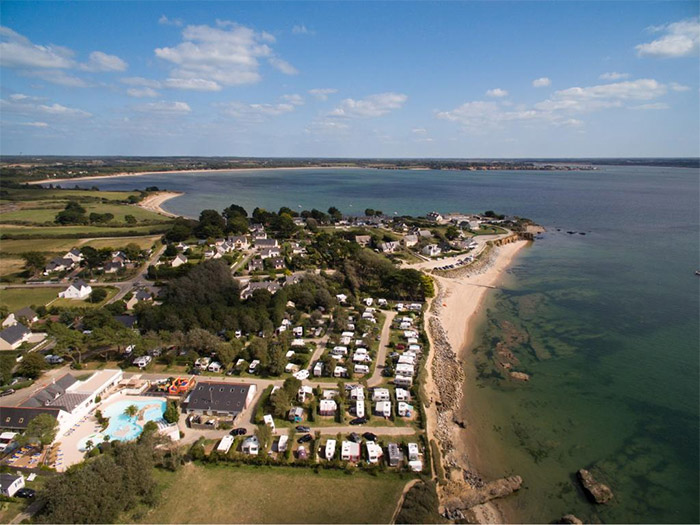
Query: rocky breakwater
[[458, 497]]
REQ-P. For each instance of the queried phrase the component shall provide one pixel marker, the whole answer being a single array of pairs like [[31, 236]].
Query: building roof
[[46, 396], [14, 333], [219, 397], [126, 320], [6, 480], [25, 312], [79, 283], [19, 417]]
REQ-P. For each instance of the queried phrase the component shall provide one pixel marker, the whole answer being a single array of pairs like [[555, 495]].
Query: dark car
[[369, 436], [305, 438], [7, 392], [239, 432], [302, 428], [358, 421], [195, 371], [25, 493], [355, 437]]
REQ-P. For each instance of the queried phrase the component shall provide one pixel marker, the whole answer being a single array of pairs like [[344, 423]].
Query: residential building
[[264, 242], [318, 369], [389, 247], [267, 253], [79, 289], [23, 315], [400, 380], [277, 263], [10, 484], [361, 369], [255, 265], [12, 337], [410, 240], [431, 250], [270, 286], [340, 371], [179, 260], [435, 216]]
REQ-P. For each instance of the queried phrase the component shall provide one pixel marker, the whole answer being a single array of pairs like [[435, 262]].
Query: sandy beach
[[141, 173], [154, 201], [449, 323]]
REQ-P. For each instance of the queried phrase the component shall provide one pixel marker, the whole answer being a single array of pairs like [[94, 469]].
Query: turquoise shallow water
[[606, 323]]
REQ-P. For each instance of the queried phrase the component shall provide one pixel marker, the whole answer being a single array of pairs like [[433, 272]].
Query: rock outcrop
[[570, 519], [470, 497], [520, 376], [599, 492]]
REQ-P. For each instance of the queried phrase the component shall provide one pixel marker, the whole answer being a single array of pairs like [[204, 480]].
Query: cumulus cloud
[[541, 82], [678, 87], [322, 93], [100, 61], [419, 131], [497, 93], [561, 106], [142, 92], [164, 107], [255, 112], [301, 29], [165, 21], [294, 99], [370, 106], [192, 84], [21, 104], [228, 55], [140, 81], [58, 77], [679, 39], [613, 75], [653, 105], [18, 51], [35, 124]]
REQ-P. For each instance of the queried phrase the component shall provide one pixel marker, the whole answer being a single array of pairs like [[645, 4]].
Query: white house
[[12, 337], [435, 216], [10, 484], [410, 240], [431, 250], [214, 367], [26, 314], [179, 260], [402, 394], [77, 290], [404, 369]]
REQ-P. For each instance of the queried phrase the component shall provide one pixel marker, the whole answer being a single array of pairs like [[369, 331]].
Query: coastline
[[155, 201], [451, 322], [166, 172]]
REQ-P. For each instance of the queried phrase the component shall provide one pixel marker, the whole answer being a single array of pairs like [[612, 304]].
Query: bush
[[420, 505]]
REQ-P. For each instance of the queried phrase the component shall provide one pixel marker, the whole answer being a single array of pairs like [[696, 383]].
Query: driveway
[[381, 354]]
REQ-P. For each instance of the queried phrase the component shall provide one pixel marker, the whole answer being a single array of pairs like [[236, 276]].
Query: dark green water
[[606, 323]]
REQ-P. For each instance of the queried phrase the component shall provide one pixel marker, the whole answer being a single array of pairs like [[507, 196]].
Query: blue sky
[[356, 79]]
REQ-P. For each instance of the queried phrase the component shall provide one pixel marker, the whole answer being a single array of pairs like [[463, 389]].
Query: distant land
[[21, 168]]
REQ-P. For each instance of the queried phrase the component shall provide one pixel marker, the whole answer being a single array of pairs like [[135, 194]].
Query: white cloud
[[255, 112], [370, 106], [21, 104], [142, 92], [419, 131], [100, 61], [165, 21], [35, 124], [322, 93], [680, 39], [559, 108], [327, 127], [497, 93], [193, 84], [613, 75], [58, 77], [301, 29], [542, 82], [140, 81], [228, 55], [18, 51], [283, 66], [294, 99], [164, 107], [678, 87]]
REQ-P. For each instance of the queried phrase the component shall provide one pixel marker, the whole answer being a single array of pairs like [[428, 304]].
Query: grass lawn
[[16, 298], [45, 211], [81, 231], [243, 494], [111, 292], [9, 266], [120, 242], [41, 193], [33, 245]]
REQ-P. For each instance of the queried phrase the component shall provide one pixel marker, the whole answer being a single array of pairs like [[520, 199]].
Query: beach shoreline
[[451, 322], [154, 202], [167, 172]]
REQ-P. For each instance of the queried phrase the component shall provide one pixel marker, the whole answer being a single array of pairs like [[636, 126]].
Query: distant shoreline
[[166, 172], [155, 201]]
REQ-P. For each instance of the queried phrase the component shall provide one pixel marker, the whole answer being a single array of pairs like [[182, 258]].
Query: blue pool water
[[124, 428]]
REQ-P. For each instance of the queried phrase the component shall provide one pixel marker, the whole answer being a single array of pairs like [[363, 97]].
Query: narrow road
[[381, 354], [139, 279], [27, 513]]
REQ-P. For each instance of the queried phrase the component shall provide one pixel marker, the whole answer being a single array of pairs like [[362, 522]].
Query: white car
[[302, 374]]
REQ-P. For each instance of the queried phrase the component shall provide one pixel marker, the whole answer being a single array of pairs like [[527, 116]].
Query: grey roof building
[[14, 334], [219, 399]]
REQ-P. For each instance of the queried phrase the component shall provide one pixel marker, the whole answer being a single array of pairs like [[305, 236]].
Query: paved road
[[381, 354]]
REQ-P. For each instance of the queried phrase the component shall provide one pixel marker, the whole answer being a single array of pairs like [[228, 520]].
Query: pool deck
[[68, 452]]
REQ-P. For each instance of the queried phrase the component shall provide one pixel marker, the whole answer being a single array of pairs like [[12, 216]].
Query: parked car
[[355, 437], [358, 421], [7, 392], [25, 493], [302, 428], [305, 438], [369, 436], [195, 372], [239, 431]]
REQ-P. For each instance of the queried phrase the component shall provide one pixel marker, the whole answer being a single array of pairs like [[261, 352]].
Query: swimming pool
[[123, 427]]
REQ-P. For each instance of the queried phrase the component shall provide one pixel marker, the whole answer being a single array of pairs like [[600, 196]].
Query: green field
[[36, 193], [45, 211], [79, 231], [11, 266], [16, 298], [61, 246], [243, 494]]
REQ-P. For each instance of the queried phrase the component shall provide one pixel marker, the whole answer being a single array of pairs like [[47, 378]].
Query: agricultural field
[[16, 298], [272, 495], [10, 267], [80, 231], [39, 212], [61, 246], [36, 193]]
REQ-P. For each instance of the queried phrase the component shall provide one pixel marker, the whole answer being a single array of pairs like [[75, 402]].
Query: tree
[[264, 435], [235, 211], [132, 250], [130, 219], [7, 364], [131, 411], [335, 213], [98, 295], [32, 365], [33, 262], [211, 224], [42, 430], [73, 213], [451, 233], [280, 402], [89, 444], [172, 413], [170, 250]]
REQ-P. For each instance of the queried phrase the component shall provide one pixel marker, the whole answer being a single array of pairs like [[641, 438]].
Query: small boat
[[697, 272]]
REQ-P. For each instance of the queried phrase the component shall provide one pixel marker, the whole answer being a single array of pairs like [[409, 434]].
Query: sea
[[602, 311]]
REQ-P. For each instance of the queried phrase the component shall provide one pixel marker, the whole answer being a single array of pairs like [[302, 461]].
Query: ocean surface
[[606, 323]]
